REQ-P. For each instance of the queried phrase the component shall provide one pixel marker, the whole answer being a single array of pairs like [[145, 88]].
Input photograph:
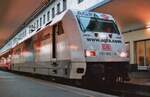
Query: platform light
[[122, 53]]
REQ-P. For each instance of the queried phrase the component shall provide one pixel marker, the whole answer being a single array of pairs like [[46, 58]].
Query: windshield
[[97, 25]]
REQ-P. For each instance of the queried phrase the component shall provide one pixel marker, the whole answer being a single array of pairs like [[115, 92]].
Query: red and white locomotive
[[75, 45]]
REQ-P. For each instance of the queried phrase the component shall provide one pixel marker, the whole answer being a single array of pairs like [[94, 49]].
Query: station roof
[[129, 14], [12, 15]]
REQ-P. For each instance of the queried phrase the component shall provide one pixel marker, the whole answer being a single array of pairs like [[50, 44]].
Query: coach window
[[53, 12], [48, 16], [40, 21], [58, 8], [64, 4], [44, 19]]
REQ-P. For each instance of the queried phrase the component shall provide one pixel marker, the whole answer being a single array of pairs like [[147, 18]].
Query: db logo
[[106, 47]]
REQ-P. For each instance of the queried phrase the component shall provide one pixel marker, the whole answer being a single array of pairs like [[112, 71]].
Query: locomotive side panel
[[77, 65], [43, 52], [23, 56], [62, 51]]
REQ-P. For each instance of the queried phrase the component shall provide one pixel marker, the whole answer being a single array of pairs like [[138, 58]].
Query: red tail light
[[90, 53]]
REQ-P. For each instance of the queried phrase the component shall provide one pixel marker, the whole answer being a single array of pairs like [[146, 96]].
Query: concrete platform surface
[[140, 78], [138, 81], [12, 85]]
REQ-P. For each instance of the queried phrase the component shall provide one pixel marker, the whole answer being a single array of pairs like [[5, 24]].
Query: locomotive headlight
[[123, 54], [90, 53]]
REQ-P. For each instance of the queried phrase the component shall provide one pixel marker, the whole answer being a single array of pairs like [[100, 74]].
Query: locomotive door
[[57, 32], [54, 48]]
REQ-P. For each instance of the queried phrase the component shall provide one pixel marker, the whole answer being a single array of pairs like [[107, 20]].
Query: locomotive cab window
[[97, 25]]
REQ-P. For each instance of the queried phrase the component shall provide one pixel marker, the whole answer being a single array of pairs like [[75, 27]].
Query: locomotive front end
[[105, 52]]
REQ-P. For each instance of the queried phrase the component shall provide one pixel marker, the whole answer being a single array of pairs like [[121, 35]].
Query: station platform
[[144, 82], [140, 78], [12, 85]]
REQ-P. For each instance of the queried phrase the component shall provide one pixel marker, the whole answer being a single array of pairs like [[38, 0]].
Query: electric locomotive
[[76, 45]]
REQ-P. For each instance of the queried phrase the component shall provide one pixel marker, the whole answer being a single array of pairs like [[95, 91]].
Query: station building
[[132, 19]]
